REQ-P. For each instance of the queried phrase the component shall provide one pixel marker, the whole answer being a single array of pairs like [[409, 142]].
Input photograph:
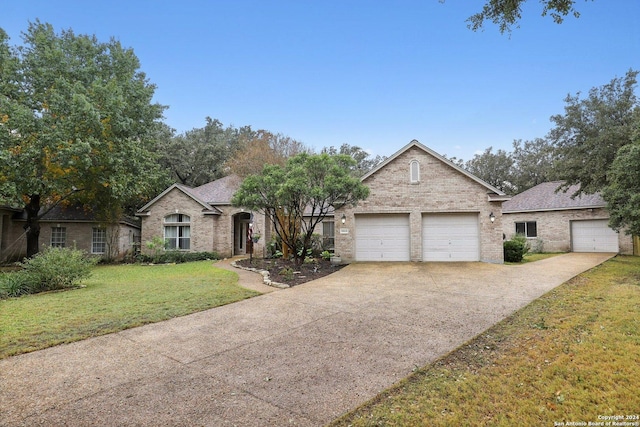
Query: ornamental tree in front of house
[[297, 197]]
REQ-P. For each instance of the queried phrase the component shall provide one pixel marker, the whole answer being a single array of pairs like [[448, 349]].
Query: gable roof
[[544, 197], [220, 191], [494, 193], [208, 209]]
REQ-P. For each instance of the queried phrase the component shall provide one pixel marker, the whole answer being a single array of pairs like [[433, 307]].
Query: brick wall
[[175, 201], [554, 228], [440, 189], [210, 233]]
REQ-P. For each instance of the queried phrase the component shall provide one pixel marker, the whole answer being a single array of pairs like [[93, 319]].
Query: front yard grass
[[115, 298], [568, 357]]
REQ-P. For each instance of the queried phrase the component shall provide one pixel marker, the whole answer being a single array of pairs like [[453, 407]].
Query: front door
[[240, 233]]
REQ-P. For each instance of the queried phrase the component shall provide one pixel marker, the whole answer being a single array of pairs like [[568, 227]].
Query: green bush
[[52, 269], [177, 257], [286, 273], [14, 285], [515, 249]]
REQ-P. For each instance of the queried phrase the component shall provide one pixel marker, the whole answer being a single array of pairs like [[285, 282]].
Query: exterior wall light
[[492, 217], [343, 219]]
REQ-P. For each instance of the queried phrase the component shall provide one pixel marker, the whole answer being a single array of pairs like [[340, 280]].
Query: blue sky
[[372, 74]]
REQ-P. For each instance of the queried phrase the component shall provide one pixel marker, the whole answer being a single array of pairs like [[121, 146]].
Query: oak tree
[[76, 123], [589, 134], [507, 13], [364, 162]]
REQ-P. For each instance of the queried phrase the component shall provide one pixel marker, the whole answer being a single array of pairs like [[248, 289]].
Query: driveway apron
[[301, 356]]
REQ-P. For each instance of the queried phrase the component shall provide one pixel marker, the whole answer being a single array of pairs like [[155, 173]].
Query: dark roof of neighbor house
[[544, 197], [494, 193], [218, 192], [71, 213]]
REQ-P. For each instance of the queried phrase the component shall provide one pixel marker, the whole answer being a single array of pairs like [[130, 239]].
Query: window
[[414, 171], [58, 237], [328, 235], [177, 232], [527, 229], [98, 240]]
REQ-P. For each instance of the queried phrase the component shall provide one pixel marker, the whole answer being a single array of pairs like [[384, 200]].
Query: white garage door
[[383, 237], [450, 237], [593, 236]]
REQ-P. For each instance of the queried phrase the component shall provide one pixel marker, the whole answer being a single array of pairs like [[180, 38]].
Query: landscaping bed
[[287, 272]]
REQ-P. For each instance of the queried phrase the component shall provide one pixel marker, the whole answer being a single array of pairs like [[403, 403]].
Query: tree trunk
[[33, 225]]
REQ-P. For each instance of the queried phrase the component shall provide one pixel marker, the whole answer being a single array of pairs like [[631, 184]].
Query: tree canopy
[[507, 13], [198, 156], [298, 196], [364, 162], [262, 148], [622, 193], [493, 168], [77, 123], [592, 130]]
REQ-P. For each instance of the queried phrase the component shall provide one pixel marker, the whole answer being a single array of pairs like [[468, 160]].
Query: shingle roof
[[71, 213], [218, 192], [543, 197]]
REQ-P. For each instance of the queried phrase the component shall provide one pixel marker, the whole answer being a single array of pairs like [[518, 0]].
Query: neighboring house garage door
[[593, 236], [383, 237], [450, 237]]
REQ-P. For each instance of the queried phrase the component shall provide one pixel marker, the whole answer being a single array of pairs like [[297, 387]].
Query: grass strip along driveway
[[115, 298], [569, 357]]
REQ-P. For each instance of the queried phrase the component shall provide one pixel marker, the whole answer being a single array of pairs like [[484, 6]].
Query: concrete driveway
[[299, 356]]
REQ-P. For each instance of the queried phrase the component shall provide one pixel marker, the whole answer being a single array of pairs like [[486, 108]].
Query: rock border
[[266, 277]]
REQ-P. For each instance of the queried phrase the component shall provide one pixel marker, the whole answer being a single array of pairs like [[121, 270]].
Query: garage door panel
[[384, 237], [450, 237], [593, 236]]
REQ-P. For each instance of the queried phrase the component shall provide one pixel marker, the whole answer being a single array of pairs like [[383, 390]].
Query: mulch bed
[[297, 274]]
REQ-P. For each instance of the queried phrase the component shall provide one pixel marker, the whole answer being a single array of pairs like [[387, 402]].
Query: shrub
[[49, 270], [326, 255], [286, 273], [176, 257], [14, 284], [515, 249], [57, 268]]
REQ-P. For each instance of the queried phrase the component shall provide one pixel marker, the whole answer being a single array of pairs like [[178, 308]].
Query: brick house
[[422, 207], [553, 221], [201, 219], [67, 226]]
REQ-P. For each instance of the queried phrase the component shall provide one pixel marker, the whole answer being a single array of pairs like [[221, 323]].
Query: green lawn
[[533, 257], [568, 357], [116, 297]]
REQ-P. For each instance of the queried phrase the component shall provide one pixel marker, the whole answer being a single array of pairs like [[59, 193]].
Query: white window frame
[[98, 240], [58, 237], [179, 236], [414, 171]]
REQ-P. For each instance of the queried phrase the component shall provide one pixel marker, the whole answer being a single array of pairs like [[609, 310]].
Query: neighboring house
[[422, 207], [553, 221], [67, 226]]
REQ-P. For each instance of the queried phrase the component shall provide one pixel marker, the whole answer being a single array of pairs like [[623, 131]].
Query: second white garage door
[[383, 237], [450, 237], [593, 236]]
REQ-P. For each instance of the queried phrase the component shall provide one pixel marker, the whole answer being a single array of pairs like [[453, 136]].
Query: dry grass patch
[[570, 356]]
